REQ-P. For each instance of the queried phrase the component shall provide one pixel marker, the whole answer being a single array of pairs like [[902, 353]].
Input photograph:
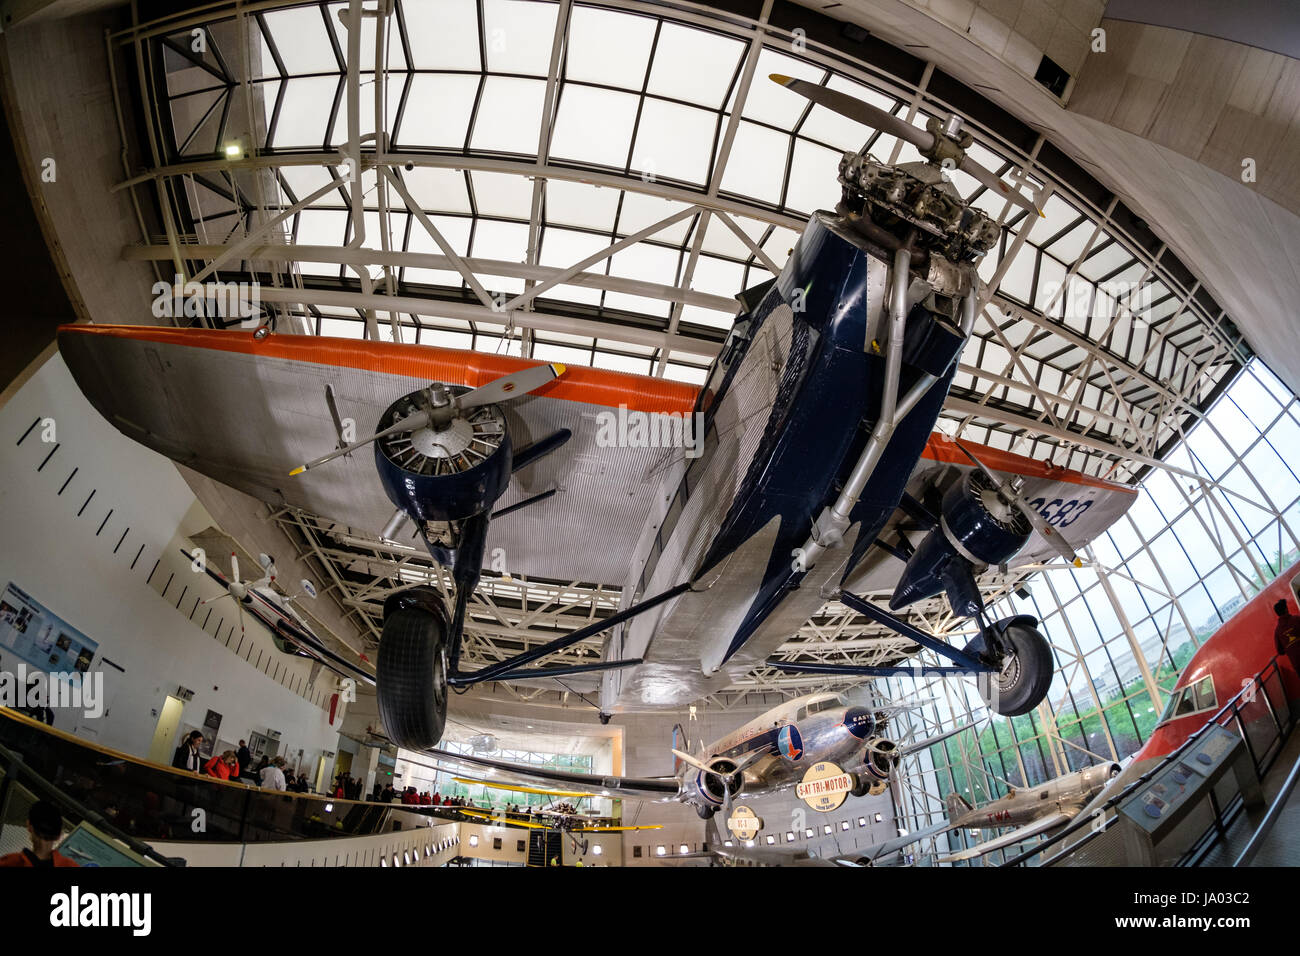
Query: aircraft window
[[801, 713], [1043, 795], [1205, 693], [816, 707]]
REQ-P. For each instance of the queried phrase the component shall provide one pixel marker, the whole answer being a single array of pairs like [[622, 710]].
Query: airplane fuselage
[[787, 408]]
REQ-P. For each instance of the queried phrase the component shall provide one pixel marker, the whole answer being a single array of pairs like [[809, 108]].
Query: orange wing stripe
[[944, 449], [592, 386], [579, 383]]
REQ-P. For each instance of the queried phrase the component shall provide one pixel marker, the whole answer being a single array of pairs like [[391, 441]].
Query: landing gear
[[411, 672], [705, 813], [1024, 669], [604, 717], [861, 785]]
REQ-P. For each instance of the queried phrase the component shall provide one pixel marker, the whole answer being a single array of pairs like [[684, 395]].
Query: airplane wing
[[644, 788], [246, 412], [516, 788], [882, 850], [1041, 825], [1081, 506]]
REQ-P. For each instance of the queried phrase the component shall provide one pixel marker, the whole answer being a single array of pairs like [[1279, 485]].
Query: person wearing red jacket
[[224, 767], [44, 824], [1286, 636]]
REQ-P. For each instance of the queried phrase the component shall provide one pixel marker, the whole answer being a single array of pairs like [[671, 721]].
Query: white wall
[[67, 562]]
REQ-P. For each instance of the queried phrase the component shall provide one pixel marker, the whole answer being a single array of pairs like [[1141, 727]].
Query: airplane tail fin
[[957, 806], [680, 742]]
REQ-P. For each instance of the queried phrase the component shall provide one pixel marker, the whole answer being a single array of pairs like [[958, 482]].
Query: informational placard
[[744, 822], [32, 633], [824, 787]]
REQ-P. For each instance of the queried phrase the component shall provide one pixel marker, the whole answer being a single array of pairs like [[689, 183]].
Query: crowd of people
[[270, 773]]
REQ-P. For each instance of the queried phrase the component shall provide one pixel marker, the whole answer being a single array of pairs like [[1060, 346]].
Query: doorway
[[169, 721]]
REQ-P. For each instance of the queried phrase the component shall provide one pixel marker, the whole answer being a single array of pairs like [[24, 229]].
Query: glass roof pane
[[720, 240], [756, 166], [580, 204], [694, 65], [636, 303], [302, 41], [594, 126], [770, 103], [694, 314], [501, 194], [443, 35], [509, 115], [608, 48], [641, 211], [813, 178], [1070, 246], [1105, 261], [780, 244], [392, 100], [1058, 214], [674, 141], [518, 35], [434, 188], [305, 180], [305, 112], [717, 276], [561, 353], [623, 363], [647, 263], [321, 227], [686, 373], [437, 111], [507, 241]]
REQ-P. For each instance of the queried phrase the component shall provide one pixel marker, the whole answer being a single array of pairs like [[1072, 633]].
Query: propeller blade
[[407, 424], [514, 385], [1049, 534], [994, 182], [217, 598], [234, 567], [858, 111], [691, 761]]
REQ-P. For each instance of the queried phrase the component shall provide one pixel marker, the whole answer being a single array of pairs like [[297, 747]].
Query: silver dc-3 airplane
[[769, 753], [1031, 810], [819, 475]]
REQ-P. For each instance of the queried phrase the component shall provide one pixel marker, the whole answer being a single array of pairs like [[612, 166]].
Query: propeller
[[441, 406], [939, 142], [1009, 492], [726, 779]]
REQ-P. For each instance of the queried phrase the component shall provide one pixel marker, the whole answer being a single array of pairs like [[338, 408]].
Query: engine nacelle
[[712, 786], [880, 756], [448, 472], [976, 529]]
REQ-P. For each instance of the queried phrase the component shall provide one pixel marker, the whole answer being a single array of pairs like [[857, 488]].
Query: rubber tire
[[861, 786], [1033, 669], [705, 813], [411, 677]]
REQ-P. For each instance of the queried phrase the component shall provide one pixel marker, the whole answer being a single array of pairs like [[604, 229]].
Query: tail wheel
[[1026, 671], [412, 677]]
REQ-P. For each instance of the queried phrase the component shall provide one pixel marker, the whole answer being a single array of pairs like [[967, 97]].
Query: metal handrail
[[17, 771], [1081, 821], [1266, 825]]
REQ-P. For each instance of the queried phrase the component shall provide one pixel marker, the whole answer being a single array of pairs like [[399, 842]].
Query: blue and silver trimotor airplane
[[818, 478]]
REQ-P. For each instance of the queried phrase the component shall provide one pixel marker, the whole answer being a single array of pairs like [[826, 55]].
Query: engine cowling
[[976, 529], [712, 786], [880, 756], [445, 472]]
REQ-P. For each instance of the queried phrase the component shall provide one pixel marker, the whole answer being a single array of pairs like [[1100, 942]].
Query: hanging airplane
[[817, 470], [768, 754], [275, 611], [1033, 811]]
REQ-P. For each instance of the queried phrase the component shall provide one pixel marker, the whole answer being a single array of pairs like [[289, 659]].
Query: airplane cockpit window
[[817, 706], [1190, 699], [801, 713]]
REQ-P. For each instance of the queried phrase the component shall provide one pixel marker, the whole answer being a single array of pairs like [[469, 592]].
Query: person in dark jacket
[[44, 824], [187, 756], [1287, 634], [244, 754]]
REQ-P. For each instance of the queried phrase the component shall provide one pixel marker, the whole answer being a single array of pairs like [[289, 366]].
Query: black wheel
[[1026, 671], [604, 718], [705, 813], [411, 675], [861, 785]]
